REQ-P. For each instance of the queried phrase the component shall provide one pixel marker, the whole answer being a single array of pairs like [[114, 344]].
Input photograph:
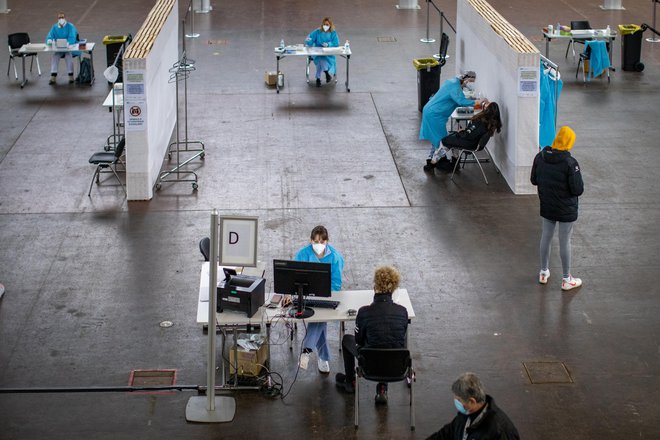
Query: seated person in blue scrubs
[[319, 251], [62, 30], [325, 36]]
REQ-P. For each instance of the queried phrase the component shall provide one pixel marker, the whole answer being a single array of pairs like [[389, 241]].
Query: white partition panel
[[481, 47], [149, 98]]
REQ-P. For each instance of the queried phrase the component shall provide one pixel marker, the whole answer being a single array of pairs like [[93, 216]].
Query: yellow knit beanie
[[564, 140]]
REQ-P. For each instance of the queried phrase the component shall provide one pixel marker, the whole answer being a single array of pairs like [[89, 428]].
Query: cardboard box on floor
[[271, 78], [250, 362]]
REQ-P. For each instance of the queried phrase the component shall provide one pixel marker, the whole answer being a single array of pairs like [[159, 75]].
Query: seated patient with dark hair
[[486, 121], [382, 324]]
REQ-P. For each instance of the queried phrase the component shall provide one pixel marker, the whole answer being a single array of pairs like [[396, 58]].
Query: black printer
[[241, 293]]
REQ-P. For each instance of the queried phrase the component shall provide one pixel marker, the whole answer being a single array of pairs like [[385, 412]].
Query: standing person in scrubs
[[437, 111], [319, 251], [325, 36]]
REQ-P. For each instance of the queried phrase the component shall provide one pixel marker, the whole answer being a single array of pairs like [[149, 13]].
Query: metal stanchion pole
[[438, 55], [428, 39], [192, 33], [654, 38]]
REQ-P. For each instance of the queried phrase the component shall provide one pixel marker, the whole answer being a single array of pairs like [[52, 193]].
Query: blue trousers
[[316, 339], [321, 66]]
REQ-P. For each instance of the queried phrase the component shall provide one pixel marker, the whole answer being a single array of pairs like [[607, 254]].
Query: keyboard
[[321, 303]]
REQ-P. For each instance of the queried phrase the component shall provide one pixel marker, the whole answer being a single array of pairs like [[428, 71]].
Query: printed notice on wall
[[528, 81], [135, 101]]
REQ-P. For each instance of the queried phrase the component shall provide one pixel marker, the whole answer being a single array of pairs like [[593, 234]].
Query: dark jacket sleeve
[[360, 329], [532, 178], [448, 432], [575, 183]]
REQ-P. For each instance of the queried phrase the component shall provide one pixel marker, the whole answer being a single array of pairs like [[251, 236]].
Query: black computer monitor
[[303, 279]]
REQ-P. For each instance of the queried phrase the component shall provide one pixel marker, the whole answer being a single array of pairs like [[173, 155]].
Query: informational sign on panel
[[135, 101]]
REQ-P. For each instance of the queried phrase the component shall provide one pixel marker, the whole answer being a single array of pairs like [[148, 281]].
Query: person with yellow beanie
[[557, 175]]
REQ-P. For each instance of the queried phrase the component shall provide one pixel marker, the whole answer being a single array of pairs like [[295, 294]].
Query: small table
[[30, 48], [594, 34], [301, 50], [115, 103]]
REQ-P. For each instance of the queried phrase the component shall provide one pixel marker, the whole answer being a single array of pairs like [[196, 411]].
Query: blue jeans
[[316, 339]]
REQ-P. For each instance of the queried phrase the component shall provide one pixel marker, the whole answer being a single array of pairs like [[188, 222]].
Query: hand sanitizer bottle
[[282, 43], [607, 30], [347, 47]]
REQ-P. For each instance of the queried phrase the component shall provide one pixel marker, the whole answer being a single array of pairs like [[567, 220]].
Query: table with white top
[[300, 50], [593, 34], [115, 103], [40, 48]]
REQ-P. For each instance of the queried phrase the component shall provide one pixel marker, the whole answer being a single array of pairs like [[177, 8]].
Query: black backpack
[[85, 74]]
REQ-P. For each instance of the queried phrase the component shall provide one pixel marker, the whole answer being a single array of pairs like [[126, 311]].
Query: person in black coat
[[486, 121], [478, 417], [382, 324], [557, 175]]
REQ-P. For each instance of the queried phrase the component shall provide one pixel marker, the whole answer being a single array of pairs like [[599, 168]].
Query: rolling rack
[[180, 72]]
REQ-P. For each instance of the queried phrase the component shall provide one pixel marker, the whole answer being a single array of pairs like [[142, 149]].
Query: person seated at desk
[[382, 324], [61, 30], [325, 36], [437, 111], [486, 121], [319, 251]]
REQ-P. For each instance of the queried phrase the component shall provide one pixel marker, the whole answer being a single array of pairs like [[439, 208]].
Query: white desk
[[594, 34], [41, 48], [300, 50], [115, 103]]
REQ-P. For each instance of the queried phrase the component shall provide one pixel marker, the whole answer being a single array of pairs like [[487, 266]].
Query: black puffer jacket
[[381, 324], [557, 174]]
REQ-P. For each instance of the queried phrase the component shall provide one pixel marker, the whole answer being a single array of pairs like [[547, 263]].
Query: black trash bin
[[631, 47], [428, 79], [113, 44]]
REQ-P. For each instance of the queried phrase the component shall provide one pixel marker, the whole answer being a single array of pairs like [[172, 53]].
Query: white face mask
[[61, 21], [326, 28], [319, 248]]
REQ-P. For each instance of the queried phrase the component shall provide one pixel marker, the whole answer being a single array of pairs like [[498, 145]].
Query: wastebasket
[[631, 47], [428, 79], [113, 44]]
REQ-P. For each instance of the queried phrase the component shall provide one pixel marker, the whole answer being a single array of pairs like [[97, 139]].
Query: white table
[[300, 50], [594, 34], [115, 103], [41, 48]]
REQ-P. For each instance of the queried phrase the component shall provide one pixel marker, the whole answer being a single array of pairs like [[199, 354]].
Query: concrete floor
[[89, 279]]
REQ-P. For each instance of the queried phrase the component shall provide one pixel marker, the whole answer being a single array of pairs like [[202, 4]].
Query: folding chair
[[577, 26], [464, 152], [599, 48], [15, 42], [384, 365], [104, 160]]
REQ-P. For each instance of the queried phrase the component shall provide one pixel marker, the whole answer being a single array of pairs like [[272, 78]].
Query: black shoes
[[328, 77], [381, 394], [343, 384], [429, 166], [318, 82]]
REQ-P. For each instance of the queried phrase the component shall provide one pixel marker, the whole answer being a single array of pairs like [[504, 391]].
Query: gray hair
[[468, 385]]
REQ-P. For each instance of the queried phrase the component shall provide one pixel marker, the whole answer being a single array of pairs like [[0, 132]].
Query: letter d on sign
[[233, 237]]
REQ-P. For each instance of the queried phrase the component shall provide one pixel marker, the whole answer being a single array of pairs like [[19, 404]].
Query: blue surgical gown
[[316, 336], [316, 39], [547, 108], [437, 111]]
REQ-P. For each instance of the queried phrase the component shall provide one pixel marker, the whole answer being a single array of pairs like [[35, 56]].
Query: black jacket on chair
[[381, 324], [557, 174]]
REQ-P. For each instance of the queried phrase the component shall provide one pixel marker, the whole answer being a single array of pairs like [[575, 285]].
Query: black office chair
[[104, 160], [577, 26], [384, 365], [464, 152], [444, 45], [205, 247], [15, 42]]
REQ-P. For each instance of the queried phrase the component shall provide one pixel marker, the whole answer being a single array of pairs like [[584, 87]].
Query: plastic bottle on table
[[347, 47], [282, 43], [607, 30]]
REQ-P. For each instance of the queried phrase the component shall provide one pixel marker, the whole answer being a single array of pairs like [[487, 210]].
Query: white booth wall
[[482, 49]]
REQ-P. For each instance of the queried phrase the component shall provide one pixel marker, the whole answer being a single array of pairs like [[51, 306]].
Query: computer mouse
[[351, 312]]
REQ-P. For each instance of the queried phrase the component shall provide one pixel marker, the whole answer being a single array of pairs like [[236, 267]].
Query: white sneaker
[[543, 276], [570, 283], [304, 360], [324, 366]]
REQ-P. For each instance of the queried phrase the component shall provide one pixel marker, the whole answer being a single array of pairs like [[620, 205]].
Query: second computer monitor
[[296, 277]]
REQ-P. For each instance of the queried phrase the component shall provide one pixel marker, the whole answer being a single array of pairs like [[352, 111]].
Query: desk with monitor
[[40, 48], [232, 320]]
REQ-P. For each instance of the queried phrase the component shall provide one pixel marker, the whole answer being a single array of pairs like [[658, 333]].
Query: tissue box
[[271, 78], [249, 362]]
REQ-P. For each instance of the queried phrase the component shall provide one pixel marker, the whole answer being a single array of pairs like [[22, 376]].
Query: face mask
[[61, 21], [319, 248], [459, 406], [326, 28]]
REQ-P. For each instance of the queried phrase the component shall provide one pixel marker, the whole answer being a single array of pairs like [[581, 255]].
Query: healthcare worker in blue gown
[[319, 251], [437, 111], [325, 36]]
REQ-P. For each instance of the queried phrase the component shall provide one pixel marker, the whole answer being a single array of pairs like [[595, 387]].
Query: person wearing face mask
[[437, 111], [61, 30], [478, 417], [325, 36], [319, 251], [382, 324]]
